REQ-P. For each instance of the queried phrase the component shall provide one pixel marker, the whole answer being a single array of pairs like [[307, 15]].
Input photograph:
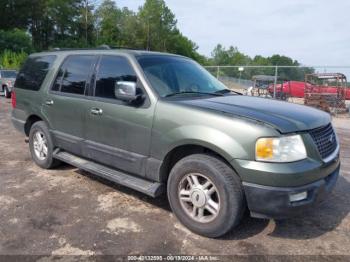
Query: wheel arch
[[179, 152], [30, 122]]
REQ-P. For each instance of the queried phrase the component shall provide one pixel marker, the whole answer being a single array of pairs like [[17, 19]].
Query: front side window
[[171, 75], [73, 74], [33, 72], [111, 70]]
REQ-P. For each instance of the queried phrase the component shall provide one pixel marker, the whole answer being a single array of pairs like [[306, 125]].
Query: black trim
[[115, 157], [67, 142], [274, 202], [18, 124], [104, 154], [153, 167], [150, 188]]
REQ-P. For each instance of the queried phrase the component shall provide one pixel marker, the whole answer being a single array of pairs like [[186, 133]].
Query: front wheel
[[206, 195]]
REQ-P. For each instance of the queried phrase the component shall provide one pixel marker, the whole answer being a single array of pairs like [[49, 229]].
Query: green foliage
[[153, 27], [45, 24], [158, 24], [15, 40], [232, 56], [108, 18], [12, 60]]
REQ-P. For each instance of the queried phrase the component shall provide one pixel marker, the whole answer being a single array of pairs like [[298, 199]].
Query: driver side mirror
[[127, 91]]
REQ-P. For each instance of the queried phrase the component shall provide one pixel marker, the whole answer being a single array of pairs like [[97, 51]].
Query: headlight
[[280, 149]]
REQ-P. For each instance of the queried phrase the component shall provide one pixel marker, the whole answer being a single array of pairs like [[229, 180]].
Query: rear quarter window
[[33, 72]]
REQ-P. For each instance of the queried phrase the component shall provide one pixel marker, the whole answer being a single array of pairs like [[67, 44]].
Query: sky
[[314, 32]]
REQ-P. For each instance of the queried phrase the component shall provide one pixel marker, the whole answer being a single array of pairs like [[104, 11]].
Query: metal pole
[[218, 72], [275, 84]]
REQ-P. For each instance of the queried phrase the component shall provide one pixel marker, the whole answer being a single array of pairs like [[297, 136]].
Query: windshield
[[8, 74], [171, 75]]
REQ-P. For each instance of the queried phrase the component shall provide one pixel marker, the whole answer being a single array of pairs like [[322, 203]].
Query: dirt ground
[[70, 212]]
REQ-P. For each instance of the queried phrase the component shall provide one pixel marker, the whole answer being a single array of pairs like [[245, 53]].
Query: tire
[[45, 161], [228, 196], [7, 93]]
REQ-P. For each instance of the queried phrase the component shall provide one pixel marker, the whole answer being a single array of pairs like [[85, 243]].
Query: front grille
[[325, 139]]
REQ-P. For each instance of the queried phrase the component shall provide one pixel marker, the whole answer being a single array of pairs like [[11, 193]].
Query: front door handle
[[49, 102], [96, 111]]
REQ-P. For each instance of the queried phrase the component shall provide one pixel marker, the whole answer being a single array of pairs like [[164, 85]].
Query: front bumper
[[274, 202]]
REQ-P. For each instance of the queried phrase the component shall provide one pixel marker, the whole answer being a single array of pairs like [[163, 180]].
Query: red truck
[[297, 88]]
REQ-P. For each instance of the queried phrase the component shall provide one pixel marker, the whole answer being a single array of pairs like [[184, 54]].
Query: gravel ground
[[70, 212]]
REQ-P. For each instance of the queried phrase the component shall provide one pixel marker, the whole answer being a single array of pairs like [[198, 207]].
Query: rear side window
[[111, 70], [73, 74], [33, 72]]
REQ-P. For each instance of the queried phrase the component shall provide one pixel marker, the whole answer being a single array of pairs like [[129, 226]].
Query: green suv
[[159, 123]]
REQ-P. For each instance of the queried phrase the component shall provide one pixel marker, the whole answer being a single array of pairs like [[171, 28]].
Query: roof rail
[[101, 47], [127, 48]]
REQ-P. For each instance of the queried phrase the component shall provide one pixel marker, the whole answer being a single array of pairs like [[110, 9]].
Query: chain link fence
[[288, 83]]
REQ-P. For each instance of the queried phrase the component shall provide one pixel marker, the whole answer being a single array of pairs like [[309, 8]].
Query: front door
[[117, 134]]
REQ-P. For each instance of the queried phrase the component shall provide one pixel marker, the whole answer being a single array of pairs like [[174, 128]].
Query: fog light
[[298, 196]]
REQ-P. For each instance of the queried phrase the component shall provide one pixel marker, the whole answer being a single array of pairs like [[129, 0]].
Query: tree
[[107, 17], [130, 29], [14, 14], [158, 23], [160, 33], [230, 56], [44, 24], [86, 22], [15, 40]]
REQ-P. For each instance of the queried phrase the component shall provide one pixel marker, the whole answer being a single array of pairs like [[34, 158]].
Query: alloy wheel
[[199, 197]]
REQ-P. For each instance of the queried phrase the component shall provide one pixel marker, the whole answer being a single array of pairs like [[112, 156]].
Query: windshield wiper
[[224, 91], [193, 92]]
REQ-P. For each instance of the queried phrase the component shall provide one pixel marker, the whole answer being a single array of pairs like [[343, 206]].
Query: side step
[[152, 189]]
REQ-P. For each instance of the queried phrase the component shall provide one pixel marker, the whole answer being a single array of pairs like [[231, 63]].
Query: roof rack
[[101, 47]]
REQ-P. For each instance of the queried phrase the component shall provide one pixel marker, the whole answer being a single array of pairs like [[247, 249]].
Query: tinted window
[[73, 74], [33, 72], [111, 70], [170, 75]]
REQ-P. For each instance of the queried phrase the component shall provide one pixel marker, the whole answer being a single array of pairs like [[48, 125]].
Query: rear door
[[120, 134], [66, 103]]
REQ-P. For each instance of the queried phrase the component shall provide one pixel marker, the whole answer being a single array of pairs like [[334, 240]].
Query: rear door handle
[[96, 111], [49, 102]]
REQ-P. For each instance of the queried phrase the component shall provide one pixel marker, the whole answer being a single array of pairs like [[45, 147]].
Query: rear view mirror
[[127, 91]]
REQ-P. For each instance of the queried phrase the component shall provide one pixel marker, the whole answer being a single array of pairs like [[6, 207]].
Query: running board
[[152, 189]]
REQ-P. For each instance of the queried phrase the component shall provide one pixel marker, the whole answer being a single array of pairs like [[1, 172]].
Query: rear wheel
[[7, 93], [206, 195], [41, 146]]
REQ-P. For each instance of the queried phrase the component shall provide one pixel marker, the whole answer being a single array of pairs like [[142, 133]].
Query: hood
[[283, 116]]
